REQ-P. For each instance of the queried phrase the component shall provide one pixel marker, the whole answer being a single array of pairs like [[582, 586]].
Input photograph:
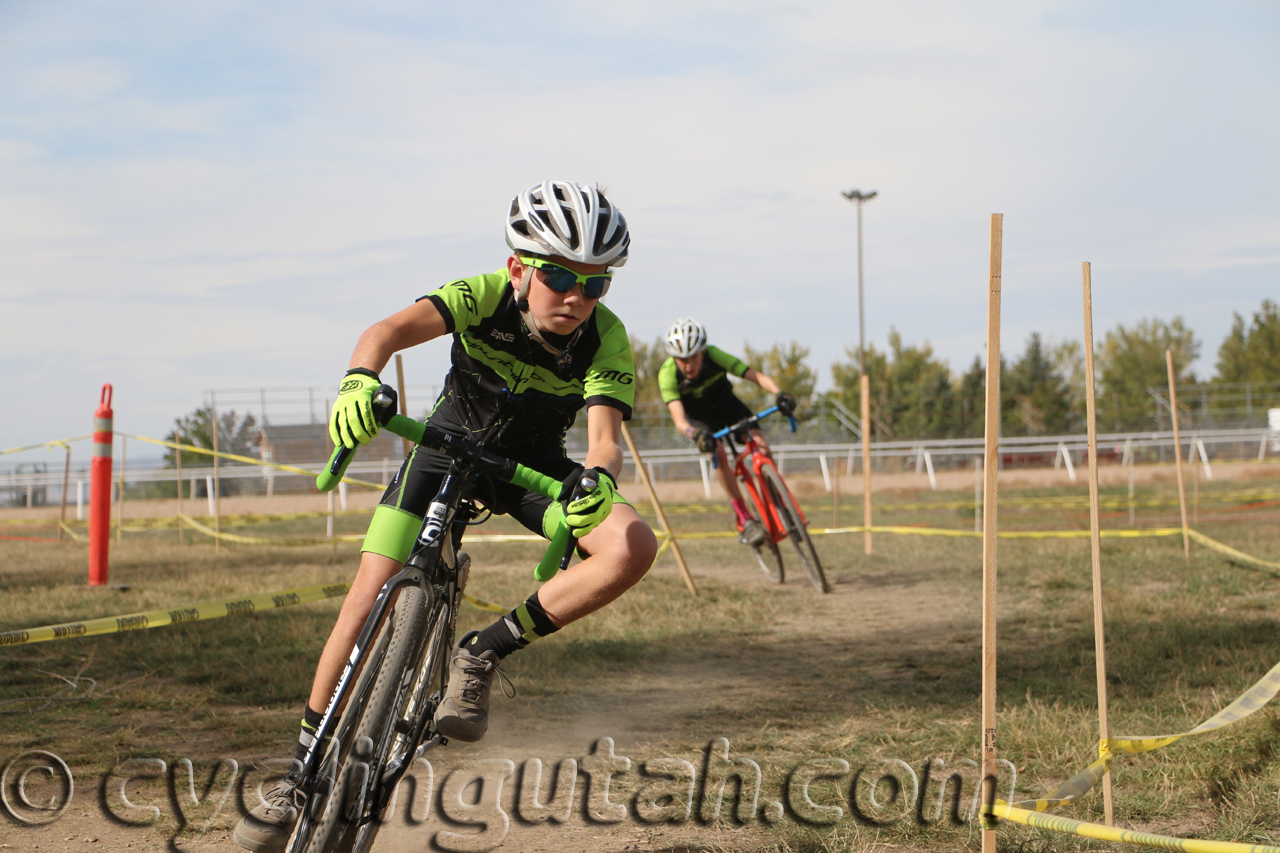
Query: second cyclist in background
[[694, 383]]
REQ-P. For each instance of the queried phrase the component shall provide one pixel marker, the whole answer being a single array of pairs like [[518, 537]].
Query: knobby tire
[[770, 558], [433, 674], [792, 522], [369, 716]]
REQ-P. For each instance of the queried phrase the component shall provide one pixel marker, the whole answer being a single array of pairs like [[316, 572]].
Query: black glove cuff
[[571, 482], [605, 474], [363, 371], [568, 484]]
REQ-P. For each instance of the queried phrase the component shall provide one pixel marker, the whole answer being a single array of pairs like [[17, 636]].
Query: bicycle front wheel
[[793, 523], [365, 731]]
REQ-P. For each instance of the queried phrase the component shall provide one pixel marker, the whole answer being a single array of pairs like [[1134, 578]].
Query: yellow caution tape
[[1074, 788], [1229, 551], [249, 460], [61, 442], [160, 618], [259, 540], [1056, 823], [481, 604], [210, 610], [1003, 534]]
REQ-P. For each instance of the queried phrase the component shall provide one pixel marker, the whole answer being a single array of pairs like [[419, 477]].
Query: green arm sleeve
[[731, 363]]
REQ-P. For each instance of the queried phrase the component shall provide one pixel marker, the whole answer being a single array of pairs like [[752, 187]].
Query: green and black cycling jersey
[[711, 381], [504, 381], [708, 397]]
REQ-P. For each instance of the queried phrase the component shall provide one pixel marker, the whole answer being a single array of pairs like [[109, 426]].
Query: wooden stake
[[657, 506], [177, 451], [1131, 508], [864, 392], [1177, 453], [1195, 486], [217, 484], [404, 400], [835, 491], [990, 469], [977, 494], [1095, 539], [66, 482]]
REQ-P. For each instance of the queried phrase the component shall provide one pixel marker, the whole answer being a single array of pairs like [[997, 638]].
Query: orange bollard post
[[100, 490]]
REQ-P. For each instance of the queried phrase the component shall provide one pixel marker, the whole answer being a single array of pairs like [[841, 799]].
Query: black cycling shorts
[[399, 515]]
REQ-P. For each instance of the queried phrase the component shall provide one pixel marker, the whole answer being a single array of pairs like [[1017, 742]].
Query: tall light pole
[[858, 197], [864, 382]]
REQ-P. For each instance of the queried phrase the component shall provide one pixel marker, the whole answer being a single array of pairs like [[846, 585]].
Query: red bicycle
[[776, 508]]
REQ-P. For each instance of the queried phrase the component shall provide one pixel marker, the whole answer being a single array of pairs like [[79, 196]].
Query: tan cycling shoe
[[266, 829], [464, 712], [752, 533]]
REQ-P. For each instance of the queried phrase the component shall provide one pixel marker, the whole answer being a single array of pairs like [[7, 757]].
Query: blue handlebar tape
[[759, 416]]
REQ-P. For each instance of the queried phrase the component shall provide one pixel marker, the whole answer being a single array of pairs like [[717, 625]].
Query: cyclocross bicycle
[[382, 714], [776, 508]]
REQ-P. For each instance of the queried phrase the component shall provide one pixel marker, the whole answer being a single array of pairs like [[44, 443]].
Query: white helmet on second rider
[[686, 338], [569, 220]]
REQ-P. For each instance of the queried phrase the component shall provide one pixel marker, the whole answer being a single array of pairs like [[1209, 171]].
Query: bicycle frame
[[432, 565], [747, 465]]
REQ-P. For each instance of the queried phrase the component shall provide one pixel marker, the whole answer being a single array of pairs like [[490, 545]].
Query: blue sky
[[199, 196]]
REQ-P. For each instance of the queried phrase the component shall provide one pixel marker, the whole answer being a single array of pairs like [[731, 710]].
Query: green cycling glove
[[587, 512], [352, 422]]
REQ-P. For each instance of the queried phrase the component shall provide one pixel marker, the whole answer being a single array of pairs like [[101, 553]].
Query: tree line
[[916, 395]]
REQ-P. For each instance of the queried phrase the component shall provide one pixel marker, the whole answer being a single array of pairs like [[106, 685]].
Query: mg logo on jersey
[[468, 297], [508, 337], [617, 376]]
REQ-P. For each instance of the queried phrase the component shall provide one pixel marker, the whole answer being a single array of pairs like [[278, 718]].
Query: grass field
[[885, 667]]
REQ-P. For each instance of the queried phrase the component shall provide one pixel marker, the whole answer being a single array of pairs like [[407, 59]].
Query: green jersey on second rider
[[499, 372], [710, 384]]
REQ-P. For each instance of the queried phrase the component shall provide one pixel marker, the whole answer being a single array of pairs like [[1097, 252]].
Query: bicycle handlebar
[[384, 404], [751, 421]]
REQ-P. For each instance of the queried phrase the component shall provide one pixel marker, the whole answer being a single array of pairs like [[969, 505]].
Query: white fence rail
[[32, 488]]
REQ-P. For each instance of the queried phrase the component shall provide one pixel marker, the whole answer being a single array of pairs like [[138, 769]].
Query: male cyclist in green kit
[[531, 347], [695, 386]]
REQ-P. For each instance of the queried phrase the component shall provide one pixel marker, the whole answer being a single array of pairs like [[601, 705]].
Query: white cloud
[[227, 197]]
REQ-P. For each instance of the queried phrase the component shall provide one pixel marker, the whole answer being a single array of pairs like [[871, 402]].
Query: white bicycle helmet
[[567, 219], [686, 338]]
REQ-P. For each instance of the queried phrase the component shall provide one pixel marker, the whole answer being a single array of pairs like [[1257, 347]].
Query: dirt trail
[[822, 648]]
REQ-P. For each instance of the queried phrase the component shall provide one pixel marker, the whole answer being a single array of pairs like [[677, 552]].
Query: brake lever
[[586, 485]]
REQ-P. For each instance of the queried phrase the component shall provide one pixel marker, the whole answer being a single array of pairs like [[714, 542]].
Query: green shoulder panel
[[669, 380], [731, 363], [613, 369], [470, 300]]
